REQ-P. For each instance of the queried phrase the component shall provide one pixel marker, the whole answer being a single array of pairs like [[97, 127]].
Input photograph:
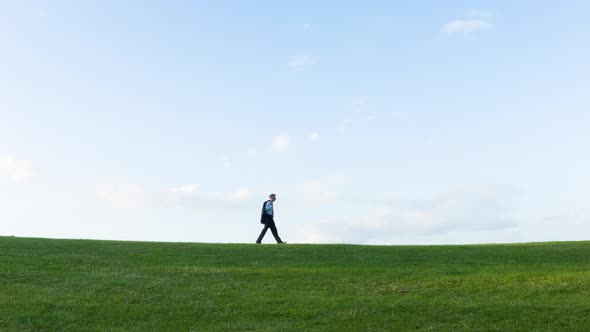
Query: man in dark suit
[[267, 218]]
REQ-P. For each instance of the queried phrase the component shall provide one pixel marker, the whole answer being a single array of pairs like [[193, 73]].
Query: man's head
[[272, 197]]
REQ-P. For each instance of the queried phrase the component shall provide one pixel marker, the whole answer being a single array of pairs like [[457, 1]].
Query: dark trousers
[[269, 223]]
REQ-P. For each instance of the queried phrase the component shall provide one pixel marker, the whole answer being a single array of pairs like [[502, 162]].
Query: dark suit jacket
[[265, 217]]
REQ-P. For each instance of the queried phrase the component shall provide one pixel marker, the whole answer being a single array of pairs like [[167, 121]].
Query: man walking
[[267, 219]]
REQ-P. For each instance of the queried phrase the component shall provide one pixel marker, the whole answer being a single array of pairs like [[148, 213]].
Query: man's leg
[[262, 233], [275, 233]]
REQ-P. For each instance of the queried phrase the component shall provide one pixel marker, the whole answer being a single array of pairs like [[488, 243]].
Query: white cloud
[[240, 194], [361, 114], [396, 115], [313, 233], [17, 170], [314, 136], [122, 195], [358, 119], [235, 200], [319, 184], [435, 217], [301, 61], [226, 162], [186, 189], [367, 118], [345, 123], [281, 143], [361, 101], [306, 27], [252, 152], [132, 196], [319, 190], [466, 26]]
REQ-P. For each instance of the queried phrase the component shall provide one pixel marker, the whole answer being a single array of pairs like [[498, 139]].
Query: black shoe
[[281, 242]]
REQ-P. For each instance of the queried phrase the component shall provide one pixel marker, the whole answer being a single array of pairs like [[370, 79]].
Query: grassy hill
[[107, 285]]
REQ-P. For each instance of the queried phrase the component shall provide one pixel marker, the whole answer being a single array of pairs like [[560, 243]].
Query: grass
[[50, 285]]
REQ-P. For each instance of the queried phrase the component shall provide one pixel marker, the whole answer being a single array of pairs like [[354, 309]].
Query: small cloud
[[466, 26], [320, 190], [396, 115], [367, 119], [361, 119], [17, 170], [122, 195], [252, 152], [301, 61], [361, 101], [240, 194], [345, 123], [314, 136], [203, 200], [306, 27], [226, 162], [186, 189], [281, 143]]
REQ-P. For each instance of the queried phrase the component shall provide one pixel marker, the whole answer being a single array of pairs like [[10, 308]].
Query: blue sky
[[375, 122]]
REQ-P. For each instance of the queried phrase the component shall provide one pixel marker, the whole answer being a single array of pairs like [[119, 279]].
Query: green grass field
[[51, 285]]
